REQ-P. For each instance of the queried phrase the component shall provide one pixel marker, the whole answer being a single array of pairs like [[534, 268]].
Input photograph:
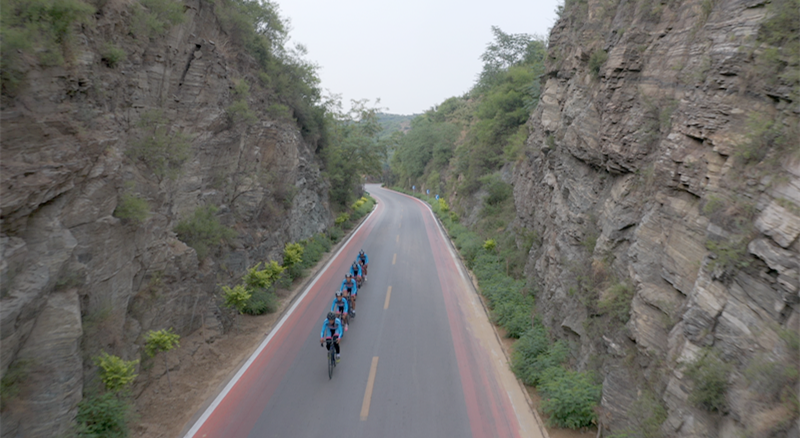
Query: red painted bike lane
[[488, 406], [235, 414]]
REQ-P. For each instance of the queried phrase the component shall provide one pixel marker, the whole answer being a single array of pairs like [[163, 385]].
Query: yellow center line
[[394, 259], [388, 294], [398, 239], [368, 392]]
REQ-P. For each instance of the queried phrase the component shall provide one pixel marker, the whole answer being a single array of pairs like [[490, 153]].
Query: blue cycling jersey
[[365, 259], [352, 286], [355, 270], [336, 304], [326, 329]]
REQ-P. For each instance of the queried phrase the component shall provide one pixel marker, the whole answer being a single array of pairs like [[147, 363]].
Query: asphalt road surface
[[419, 360]]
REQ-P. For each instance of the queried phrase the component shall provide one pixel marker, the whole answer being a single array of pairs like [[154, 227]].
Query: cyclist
[[332, 327], [363, 260], [355, 271], [340, 307], [350, 289]]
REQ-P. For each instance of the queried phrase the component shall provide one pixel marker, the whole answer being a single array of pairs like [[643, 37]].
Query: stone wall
[[76, 280], [632, 177]]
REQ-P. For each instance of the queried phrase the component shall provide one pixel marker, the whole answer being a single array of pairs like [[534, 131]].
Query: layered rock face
[[661, 243], [76, 279]]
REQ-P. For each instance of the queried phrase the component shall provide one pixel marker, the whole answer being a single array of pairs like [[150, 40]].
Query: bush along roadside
[[569, 397], [255, 295]]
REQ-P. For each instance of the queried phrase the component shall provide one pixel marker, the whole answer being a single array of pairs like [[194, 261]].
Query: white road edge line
[[201, 421]]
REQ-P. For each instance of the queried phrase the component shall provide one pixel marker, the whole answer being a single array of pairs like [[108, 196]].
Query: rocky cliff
[[662, 180], [76, 277]]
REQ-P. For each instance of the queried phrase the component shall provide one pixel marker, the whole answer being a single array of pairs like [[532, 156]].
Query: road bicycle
[[331, 359]]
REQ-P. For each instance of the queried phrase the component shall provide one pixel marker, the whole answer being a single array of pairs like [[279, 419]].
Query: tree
[[162, 149], [353, 149], [507, 50], [161, 340]]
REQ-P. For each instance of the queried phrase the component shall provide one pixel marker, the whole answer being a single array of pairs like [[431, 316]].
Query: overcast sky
[[411, 54]]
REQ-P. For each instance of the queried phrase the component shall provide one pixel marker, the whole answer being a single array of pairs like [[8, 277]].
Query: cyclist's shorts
[[341, 309]]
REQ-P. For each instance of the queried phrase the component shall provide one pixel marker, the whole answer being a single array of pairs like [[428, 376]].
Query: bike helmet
[[348, 275], [338, 293], [361, 252], [331, 316]]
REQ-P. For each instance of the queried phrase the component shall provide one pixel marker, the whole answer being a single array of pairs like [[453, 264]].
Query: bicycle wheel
[[331, 361]]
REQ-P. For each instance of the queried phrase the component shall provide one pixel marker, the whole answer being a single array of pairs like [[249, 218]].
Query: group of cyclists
[[344, 303]]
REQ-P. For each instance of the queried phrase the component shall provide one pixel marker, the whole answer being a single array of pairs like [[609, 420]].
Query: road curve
[[420, 359]]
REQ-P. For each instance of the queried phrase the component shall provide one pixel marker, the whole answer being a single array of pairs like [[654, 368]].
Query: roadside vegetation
[[256, 293]]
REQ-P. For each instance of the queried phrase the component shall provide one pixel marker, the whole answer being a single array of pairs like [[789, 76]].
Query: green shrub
[[710, 376], [133, 208], [236, 297], [514, 313], [764, 134], [160, 340], [314, 249], [617, 301], [569, 398], [117, 374], [729, 253], [162, 149], [533, 355], [239, 112], [342, 218], [596, 61], [263, 279], [362, 207], [112, 54], [202, 231], [335, 234], [103, 416], [489, 244], [260, 302], [292, 254]]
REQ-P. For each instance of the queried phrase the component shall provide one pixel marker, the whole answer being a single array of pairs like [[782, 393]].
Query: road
[[419, 360]]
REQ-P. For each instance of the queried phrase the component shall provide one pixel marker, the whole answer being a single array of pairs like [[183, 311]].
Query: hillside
[[153, 151]]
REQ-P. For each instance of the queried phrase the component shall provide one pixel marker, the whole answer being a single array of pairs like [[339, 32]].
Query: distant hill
[[394, 122]]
